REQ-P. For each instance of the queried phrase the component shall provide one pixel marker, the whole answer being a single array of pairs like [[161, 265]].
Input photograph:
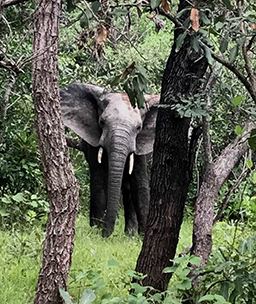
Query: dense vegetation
[[106, 266]]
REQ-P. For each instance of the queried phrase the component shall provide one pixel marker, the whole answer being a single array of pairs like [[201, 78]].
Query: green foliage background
[[23, 202]]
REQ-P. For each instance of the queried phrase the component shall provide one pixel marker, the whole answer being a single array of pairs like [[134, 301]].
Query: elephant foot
[[96, 222], [130, 231], [107, 231], [131, 228], [141, 231]]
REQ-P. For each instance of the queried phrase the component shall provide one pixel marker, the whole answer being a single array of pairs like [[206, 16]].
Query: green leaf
[[96, 5], [116, 80], [88, 297], [138, 288], [195, 44], [254, 177], [224, 44], [6, 200], [249, 163], [3, 213], [142, 71], [84, 21], [195, 260], [219, 25], [140, 100], [252, 140], [170, 269], [119, 11], [224, 289], [207, 298], [154, 4], [227, 4], [204, 18], [65, 296], [18, 197], [237, 100], [233, 53], [185, 284], [239, 130], [208, 55], [180, 41]]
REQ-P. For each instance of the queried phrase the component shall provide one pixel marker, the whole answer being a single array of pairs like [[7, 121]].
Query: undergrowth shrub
[[22, 208]]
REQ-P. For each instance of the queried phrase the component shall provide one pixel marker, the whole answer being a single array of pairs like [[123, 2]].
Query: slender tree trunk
[[214, 177], [170, 170], [61, 184]]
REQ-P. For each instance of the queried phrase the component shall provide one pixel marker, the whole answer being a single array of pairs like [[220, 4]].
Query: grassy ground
[[99, 263]]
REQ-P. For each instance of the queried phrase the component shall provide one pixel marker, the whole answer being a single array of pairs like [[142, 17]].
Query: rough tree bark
[[171, 169], [214, 177], [61, 184]]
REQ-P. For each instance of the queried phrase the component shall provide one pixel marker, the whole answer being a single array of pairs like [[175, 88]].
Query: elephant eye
[[138, 127], [102, 122]]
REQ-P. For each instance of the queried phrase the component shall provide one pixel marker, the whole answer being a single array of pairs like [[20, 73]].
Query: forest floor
[[102, 264]]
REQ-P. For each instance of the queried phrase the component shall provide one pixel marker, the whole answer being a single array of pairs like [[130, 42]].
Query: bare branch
[[227, 197], [196, 133], [250, 43], [247, 60], [217, 174], [206, 123], [9, 64], [170, 17], [238, 74]]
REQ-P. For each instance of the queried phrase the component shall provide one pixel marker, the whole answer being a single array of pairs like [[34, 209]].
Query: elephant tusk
[[100, 155], [131, 163]]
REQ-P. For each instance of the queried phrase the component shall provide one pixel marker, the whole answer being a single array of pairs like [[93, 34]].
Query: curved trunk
[[116, 160]]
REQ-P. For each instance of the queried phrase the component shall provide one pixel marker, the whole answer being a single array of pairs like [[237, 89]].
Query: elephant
[[116, 137]]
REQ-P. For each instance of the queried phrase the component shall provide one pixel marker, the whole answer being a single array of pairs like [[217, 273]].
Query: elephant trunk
[[116, 159]]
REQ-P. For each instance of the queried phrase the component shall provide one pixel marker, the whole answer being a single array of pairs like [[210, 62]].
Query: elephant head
[[108, 121]]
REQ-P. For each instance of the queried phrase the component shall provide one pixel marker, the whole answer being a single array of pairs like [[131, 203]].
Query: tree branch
[[238, 74], [170, 17], [217, 173], [227, 197], [247, 62], [6, 3], [9, 64], [196, 133]]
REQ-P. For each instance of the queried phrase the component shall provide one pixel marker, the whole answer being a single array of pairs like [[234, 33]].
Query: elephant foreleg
[[139, 181], [98, 186], [131, 223]]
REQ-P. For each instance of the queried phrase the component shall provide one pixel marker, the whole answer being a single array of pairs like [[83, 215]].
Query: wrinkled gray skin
[[107, 120]]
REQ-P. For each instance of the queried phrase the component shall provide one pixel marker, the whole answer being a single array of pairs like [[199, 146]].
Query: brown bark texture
[[170, 175], [61, 184], [214, 177]]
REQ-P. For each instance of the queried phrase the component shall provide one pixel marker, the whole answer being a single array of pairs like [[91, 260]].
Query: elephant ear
[[145, 139], [80, 110]]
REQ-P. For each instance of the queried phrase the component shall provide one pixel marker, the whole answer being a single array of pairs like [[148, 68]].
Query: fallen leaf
[[165, 5], [194, 18], [253, 26], [102, 34]]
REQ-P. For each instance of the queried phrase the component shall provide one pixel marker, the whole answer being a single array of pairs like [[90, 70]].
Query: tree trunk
[[170, 169], [214, 177], [61, 184]]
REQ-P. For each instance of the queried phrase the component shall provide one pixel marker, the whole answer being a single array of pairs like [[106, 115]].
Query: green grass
[[98, 263]]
